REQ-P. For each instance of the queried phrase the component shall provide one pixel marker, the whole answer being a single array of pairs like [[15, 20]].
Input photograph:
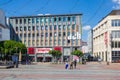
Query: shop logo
[[76, 36]]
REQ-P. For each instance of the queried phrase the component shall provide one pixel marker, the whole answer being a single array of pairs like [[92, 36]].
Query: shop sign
[[43, 50], [30, 50], [76, 36]]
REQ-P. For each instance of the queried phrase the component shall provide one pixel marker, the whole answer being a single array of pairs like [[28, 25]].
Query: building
[[90, 42], [42, 33], [4, 30], [106, 37]]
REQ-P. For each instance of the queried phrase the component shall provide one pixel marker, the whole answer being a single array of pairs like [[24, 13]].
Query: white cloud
[[116, 1], [117, 4], [87, 27]]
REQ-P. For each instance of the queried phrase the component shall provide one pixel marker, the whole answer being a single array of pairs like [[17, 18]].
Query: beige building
[[106, 38]]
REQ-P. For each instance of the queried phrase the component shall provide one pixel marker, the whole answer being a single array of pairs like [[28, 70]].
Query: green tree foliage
[[55, 53], [10, 46], [77, 53]]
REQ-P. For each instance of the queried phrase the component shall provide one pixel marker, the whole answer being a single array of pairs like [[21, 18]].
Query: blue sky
[[92, 10]]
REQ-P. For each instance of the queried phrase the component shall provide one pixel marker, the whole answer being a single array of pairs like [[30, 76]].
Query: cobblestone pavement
[[46, 71]]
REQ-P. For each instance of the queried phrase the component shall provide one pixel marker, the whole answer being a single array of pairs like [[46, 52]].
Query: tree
[[77, 53], [10, 47], [55, 53]]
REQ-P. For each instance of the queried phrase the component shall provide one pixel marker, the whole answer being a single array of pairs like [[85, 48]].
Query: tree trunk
[[20, 57]]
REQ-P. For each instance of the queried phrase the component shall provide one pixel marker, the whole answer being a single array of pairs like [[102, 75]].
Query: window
[[73, 27], [25, 35], [72, 33], [68, 27], [50, 34], [20, 28], [33, 35], [46, 27], [68, 41], [118, 44], [0, 36], [42, 34], [68, 18], [46, 34], [37, 20], [55, 34], [55, 19], [59, 34], [33, 28], [68, 33], [59, 18], [64, 19], [50, 19], [115, 44], [24, 21], [37, 34], [50, 27], [59, 27], [20, 21], [73, 18], [24, 28], [55, 27], [0, 29], [20, 35], [29, 28], [42, 28], [29, 35], [33, 20], [16, 21], [29, 20], [37, 27], [63, 27], [63, 33], [16, 29], [115, 23]]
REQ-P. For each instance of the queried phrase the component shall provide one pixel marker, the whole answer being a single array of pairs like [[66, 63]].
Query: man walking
[[75, 63]]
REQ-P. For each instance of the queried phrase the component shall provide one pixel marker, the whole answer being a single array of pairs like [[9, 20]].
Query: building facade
[[90, 42], [106, 37], [4, 30], [46, 32]]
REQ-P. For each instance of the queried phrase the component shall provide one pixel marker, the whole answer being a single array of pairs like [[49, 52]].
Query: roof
[[50, 15], [113, 12]]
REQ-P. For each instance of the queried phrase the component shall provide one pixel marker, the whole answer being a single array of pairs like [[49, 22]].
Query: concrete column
[[62, 55], [71, 57], [35, 55]]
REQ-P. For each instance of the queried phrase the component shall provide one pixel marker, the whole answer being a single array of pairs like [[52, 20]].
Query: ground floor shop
[[113, 56], [41, 54]]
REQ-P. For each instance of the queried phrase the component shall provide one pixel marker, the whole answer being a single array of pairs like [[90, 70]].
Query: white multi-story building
[[4, 30], [90, 42], [106, 37]]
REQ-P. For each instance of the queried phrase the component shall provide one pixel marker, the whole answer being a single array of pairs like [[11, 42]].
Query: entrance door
[[39, 59]]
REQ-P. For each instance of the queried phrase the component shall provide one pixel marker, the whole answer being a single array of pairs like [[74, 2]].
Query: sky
[[93, 10]]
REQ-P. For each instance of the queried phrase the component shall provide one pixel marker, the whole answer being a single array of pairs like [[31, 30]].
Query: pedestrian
[[66, 65], [14, 59], [75, 63], [71, 65]]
